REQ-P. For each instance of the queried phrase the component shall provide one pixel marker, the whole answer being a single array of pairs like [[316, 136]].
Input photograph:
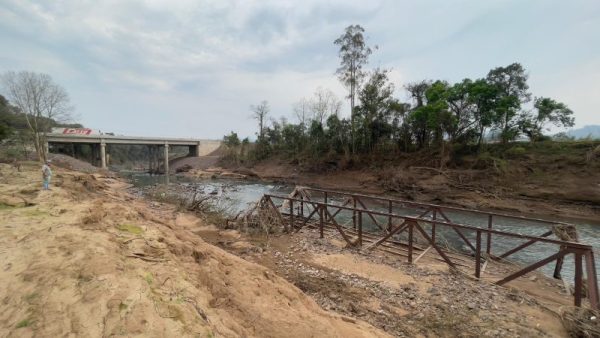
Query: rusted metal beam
[[488, 249], [431, 205], [360, 229], [478, 255], [440, 251], [573, 245], [460, 234], [524, 245], [370, 215], [410, 242], [578, 278], [337, 226], [401, 227], [532, 267], [592, 280], [321, 221]]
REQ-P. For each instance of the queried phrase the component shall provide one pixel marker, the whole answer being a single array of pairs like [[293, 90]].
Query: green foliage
[[231, 140], [24, 323], [516, 151], [445, 119], [133, 229]]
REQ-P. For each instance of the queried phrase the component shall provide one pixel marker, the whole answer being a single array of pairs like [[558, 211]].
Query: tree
[[301, 110], [511, 83], [259, 113], [376, 110], [417, 90], [232, 140], [549, 111], [41, 100], [323, 104], [354, 54], [483, 96]]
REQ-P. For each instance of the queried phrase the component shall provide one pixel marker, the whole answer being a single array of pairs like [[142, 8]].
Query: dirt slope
[[86, 259]]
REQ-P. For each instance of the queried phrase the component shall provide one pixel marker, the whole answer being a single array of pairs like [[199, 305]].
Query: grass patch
[[133, 229], [122, 306], [6, 207], [30, 297], [24, 323], [149, 278], [35, 213]]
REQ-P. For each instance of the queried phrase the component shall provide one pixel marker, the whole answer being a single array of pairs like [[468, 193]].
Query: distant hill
[[586, 131]]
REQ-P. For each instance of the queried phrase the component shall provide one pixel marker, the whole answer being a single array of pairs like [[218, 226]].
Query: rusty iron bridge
[[323, 209]]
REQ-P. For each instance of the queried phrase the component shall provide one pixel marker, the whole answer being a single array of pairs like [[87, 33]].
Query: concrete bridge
[[98, 143]]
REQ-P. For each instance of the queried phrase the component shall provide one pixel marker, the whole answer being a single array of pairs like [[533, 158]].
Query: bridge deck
[[110, 139]]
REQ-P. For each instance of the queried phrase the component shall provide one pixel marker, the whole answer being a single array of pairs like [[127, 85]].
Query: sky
[[193, 68]]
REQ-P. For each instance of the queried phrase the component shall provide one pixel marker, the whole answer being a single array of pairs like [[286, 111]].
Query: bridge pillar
[[198, 150], [103, 154], [167, 158]]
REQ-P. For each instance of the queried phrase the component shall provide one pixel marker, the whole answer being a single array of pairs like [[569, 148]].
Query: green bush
[[516, 151]]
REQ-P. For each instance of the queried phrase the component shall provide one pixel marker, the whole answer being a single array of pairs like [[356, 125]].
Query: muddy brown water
[[237, 195]]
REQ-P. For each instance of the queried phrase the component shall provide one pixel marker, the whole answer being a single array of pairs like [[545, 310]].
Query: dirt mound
[[90, 260], [202, 162], [68, 162]]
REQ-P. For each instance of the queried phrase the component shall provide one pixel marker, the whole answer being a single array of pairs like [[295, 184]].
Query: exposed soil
[[424, 300], [88, 259], [548, 186]]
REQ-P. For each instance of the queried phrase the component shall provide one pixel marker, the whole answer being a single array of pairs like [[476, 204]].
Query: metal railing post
[[478, 255], [390, 209], [354, 212], [291, 214], [410, 242], [488, 249], [578, 278], [320, 220], [325, 201], [360, 228], [433, 226]]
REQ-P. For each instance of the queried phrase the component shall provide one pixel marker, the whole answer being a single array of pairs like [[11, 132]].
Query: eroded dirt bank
[[546, 186], [87, 259]]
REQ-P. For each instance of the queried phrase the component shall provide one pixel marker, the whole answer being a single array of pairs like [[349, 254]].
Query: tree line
[[439, 115]]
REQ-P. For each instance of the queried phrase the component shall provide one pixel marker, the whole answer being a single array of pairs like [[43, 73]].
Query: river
[[237, 195]]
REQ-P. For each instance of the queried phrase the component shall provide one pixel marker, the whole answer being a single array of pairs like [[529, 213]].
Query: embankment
[[88, 259]]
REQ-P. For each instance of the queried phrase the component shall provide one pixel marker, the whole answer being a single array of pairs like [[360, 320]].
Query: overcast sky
[[193, 68]]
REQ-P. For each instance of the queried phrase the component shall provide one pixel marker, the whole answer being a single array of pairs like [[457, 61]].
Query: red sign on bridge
[[77, 131]]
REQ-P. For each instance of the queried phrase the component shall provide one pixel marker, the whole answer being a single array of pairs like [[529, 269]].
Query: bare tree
[[259, 113], [324, 104], [41, 101], [301, 110]]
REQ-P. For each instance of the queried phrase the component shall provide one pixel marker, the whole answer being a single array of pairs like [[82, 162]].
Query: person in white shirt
[[46, 175]]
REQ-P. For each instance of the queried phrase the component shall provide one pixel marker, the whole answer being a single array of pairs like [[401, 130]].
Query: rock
[[471, 305]]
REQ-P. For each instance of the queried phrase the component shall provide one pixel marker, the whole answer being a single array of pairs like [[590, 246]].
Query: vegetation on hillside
[[442, 118]]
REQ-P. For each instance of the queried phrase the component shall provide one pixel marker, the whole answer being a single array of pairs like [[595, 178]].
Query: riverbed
[[236, 195]]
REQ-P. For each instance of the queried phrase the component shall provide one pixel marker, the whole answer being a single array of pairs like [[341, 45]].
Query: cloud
[[168, 67]]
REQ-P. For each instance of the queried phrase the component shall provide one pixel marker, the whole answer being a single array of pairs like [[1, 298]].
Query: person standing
[[46, 175]]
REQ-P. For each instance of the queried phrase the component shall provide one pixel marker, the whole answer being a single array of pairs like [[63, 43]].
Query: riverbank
[[381, 288], [564, 184], [88, 259]]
